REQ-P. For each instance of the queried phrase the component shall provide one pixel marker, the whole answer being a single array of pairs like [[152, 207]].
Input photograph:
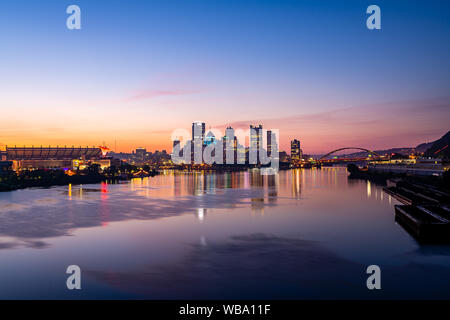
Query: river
[[300, 234]]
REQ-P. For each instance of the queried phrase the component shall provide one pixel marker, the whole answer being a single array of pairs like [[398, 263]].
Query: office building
[[198, 141], [141, 154], [256, 133], [296, 154]]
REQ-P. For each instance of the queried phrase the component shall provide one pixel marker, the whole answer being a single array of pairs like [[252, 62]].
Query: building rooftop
[[55, 153]]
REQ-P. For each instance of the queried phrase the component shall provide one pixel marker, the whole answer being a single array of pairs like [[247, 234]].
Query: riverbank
[[381, 177], [50, 178], [425, 209]]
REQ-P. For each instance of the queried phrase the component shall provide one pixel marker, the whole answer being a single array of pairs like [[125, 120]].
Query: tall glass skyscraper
[[198, 139]]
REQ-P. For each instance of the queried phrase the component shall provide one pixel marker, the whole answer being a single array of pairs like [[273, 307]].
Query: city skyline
[[283, 64], [225, 158]]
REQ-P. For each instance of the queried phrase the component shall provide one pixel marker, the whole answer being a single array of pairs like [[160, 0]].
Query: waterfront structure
[[296, 154], [416, 168], [54, 157]]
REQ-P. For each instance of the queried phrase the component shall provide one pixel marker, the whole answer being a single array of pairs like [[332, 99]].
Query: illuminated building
[[283, 156], [141, 154], [198, 131], [176, 143], [296, 153], [231, 139], [210, 138], [53, 157], [269, 143], [256, 133], [198, 139]]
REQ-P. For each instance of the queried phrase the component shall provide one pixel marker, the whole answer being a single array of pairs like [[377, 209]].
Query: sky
[[137, 70]]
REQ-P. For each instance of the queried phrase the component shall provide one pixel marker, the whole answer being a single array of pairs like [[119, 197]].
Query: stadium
[[54, 157]]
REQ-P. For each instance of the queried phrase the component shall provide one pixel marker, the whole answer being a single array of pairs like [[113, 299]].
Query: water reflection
[[174, 234], [296, 183], [45, 214]]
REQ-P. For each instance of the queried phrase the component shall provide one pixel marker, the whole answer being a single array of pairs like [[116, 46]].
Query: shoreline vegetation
[[45, 178]]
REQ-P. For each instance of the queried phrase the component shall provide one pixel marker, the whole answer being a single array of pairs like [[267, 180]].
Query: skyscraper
[[198, 138], [140, 154], [272, 145], [256, 133], [295, 150], [269, 143], [230, 139], [198, 131], [176, 143]]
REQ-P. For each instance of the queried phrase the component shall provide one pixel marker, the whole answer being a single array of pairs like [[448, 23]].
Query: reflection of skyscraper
[[295, 150], [201, 213], [296, 183], [272, 184], [257, 205]]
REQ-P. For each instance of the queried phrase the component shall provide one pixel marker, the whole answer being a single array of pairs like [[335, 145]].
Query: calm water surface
[[299, 234]]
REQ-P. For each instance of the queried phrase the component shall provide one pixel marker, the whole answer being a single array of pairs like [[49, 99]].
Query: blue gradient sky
[[139, 69]]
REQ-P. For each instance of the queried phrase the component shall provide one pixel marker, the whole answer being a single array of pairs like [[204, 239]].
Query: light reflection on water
[[299, 234]]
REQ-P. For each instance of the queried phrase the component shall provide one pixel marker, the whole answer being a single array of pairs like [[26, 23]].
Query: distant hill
[[440, 148], [421, 148]]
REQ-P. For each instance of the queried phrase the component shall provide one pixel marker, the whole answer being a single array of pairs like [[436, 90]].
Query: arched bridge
[[349, 148]]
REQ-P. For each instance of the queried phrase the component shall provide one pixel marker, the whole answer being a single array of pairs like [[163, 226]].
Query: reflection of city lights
[[70, 190], [201, 214], [369, 189]]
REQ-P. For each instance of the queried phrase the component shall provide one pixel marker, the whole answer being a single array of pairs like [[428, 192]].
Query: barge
[[409, 197], [427, 223]]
